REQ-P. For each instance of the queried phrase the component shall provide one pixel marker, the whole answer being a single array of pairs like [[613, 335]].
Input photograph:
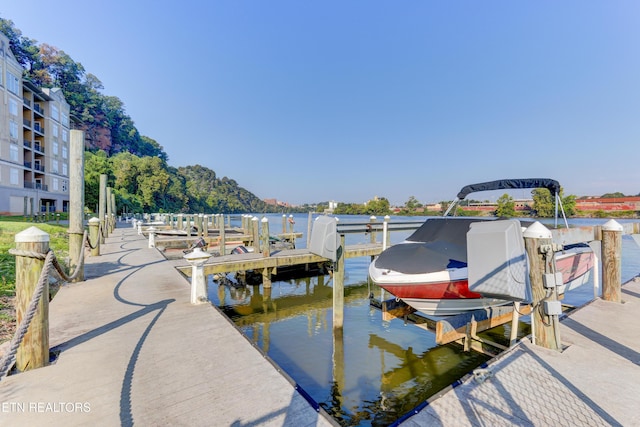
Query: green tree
[[544, 203], [506, 206]]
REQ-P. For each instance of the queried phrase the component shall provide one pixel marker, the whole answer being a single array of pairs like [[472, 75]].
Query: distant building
[[34, 142], [608, 203], [275, 202]]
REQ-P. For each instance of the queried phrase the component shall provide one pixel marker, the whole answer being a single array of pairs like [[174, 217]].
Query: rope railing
[[50, 261]]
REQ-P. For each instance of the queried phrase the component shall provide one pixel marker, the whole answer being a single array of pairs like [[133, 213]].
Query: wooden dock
[[131, 350]]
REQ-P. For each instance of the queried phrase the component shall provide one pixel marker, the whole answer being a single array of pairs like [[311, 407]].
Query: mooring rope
[[50, 260]]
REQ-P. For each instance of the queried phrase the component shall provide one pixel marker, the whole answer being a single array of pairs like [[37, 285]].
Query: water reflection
[[370, 373]]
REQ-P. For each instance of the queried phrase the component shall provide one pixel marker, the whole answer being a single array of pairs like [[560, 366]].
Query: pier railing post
[[284, 223], [372, 232], [264, 237], [386, 234], [255, 239], [152, 236], [611, 261], [338, 286], [197, 258], [102, 207], [34, 349], [545, 330], [94, 236], [76, 203]]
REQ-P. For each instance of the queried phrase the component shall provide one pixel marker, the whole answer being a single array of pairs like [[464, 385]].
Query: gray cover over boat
[[438, 244]]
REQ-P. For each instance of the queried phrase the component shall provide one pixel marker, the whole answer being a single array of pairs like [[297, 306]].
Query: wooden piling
[[102, 207], [76, 202], [34, 350], [94, 236], [372, 232], [612, 261], [338, 286], [223, 238], [255, 236], [264, 237], [545, 335]]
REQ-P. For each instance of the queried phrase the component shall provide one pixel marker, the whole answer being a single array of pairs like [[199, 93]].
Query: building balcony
[[38, 167], [38, 148], [27, 165], [26, 122], [38, 109], [38, 127], [26, 102], [26, 143], [36, 186]]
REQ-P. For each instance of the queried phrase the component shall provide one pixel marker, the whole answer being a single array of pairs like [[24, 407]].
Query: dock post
[[338, 286], [197, 258], [102, 207], [309, 224], [372, 233], [545, 330], [255, 235], [264, 237], [34, 349], [386, 234], [205, 225], [94, 236], [76, 202], [114, 211], [152, 236], [223, 237], [180, 222], [188, 218], [293, 236], [284, 223], [108, 219], [612, 261]]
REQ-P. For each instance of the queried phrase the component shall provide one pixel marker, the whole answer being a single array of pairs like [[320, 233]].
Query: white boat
[[429, 270]]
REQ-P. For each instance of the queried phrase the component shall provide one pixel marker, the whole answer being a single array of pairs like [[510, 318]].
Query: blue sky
[[346, 100]]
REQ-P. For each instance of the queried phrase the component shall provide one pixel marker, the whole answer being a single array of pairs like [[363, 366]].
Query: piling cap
[[94, 220], [32, 235], [612, 225], [537, 231], [197, 256]]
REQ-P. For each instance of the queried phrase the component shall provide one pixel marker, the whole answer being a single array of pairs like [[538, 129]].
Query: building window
[[55, 148], [14, 153], [55, 113], [13, 129], [65, 169], [54, 183], [14, 176], [54, 130], [13, 107], [65, 119], [64, 152], [13, 84], [65, 135], [54, 166]]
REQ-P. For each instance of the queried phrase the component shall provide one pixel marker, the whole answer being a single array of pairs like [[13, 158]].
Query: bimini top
[[551, 184]]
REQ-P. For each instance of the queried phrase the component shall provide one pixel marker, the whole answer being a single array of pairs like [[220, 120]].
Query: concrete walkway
[[133, 350], [594, 381]]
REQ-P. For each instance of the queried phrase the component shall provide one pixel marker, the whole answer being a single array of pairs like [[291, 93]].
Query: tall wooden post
[[255, 235], [114, 211], [264, 237], [386, 234], [535, 237], [338, 286], [205, 225], [612, 261], [102, 207], [309, 219], [76, 202], [372, 233], [34, 349], [284, 223], [223, 237]]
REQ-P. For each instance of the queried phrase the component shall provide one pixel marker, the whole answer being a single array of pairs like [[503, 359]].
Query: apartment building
[[34, 142]]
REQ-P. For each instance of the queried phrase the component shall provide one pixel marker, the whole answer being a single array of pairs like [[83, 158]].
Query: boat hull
[[447, 292]]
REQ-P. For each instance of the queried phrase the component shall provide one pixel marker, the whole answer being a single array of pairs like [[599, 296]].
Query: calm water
[[375, 371]]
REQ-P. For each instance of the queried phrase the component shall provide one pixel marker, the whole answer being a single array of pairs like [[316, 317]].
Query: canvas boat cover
[[552, 185], [438, 244]]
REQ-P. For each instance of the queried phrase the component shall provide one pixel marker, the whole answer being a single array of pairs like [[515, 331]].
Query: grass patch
[[59, 243]]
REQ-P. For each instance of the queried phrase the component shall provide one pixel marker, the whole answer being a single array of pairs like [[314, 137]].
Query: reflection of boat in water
[[429, 270]]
